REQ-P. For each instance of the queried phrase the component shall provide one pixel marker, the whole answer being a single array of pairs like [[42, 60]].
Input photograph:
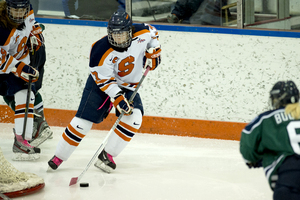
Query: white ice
[[154, 167]]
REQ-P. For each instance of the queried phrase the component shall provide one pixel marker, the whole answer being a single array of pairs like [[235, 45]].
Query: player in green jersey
[[272, 141]]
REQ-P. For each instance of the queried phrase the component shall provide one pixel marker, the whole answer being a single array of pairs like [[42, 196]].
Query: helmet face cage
[[283, 93], [119, 30], [17, 10]]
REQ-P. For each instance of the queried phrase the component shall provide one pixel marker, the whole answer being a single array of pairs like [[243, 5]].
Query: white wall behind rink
[[204, 76]]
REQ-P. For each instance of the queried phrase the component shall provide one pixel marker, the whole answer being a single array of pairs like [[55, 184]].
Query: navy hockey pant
[[95, 104], [10, 84], [288, 183]]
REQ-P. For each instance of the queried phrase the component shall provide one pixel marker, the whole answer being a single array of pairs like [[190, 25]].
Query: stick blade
[[73, 181]]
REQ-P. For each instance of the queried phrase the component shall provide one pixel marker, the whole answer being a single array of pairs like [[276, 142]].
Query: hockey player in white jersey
[[17, 56], [116, 65]]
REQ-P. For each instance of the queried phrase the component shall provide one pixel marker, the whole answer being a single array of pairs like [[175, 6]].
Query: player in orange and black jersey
[[17, 28], [116, 66]]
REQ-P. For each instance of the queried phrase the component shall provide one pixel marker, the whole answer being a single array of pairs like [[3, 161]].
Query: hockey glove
[[121, 103], [153, 56], [25, 71], [36, 32], [255, 165]]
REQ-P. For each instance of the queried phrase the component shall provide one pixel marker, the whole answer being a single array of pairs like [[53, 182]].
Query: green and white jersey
[[272, 136]]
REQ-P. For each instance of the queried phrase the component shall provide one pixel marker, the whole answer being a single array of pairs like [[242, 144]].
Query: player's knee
[[135, 119], [81, 125], [21, 96]]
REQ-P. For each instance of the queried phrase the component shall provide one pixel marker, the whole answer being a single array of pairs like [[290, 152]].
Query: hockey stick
[[27, 105], [74, 180], [33, 41]]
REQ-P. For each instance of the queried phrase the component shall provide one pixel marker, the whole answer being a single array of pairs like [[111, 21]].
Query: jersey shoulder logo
[[141, 40], [114, 59]]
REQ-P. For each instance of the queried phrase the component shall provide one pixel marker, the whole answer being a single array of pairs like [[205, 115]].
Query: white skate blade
[[44, 135], [25, 157], [99, 164], [49, 169]]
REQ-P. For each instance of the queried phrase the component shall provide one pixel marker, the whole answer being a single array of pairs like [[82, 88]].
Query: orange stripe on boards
[[193, 128], [155, 125]]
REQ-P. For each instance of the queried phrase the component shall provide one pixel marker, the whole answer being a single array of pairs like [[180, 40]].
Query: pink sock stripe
[[19, 138]]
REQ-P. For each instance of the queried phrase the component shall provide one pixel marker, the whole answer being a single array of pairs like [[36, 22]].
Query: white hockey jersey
[[112, 69], [13, 46]]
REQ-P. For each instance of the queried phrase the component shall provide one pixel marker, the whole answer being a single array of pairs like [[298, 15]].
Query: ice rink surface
[[154, 167]]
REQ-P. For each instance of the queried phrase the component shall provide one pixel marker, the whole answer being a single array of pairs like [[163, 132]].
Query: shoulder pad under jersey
[[140, 29], [99, 51], [258, 119], [30, 10], [4, 35]]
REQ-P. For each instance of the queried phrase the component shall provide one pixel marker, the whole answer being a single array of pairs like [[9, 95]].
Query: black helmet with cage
[[119, 30], [283, 93], [18, 10]]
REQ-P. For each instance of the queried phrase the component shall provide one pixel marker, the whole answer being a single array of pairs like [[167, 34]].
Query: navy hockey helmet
[[17, 10], [283, 93], [119, 30]]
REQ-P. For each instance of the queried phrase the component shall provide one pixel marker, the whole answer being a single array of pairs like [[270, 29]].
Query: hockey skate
[[23, 150], [41, 131], [54, 162], [105, 162]]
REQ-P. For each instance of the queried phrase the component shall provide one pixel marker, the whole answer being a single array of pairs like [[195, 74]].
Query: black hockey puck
[[84, 184]]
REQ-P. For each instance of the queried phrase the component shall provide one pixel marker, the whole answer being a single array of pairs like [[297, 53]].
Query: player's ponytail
[[293, 109]]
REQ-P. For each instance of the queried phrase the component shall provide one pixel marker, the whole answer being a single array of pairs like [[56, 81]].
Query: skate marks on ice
[[150, 167]]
